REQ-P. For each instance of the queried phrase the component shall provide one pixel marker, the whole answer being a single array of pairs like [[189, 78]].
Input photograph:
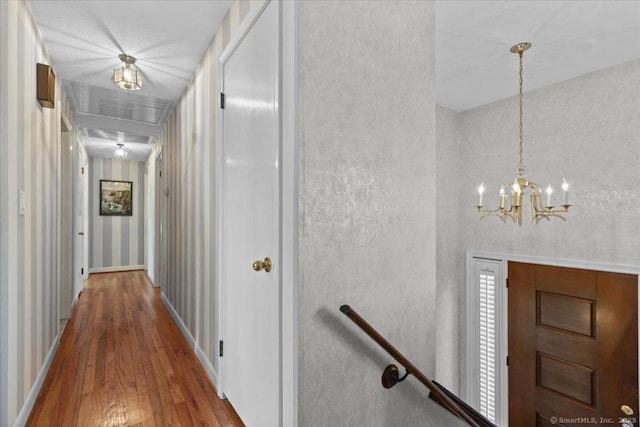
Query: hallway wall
[[29, 243], [586, 130], [188, 142], [367, 197], [453, 198], [116, 241]]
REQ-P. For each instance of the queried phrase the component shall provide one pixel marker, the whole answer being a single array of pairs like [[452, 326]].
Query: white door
[[251, 224], [81, 251]]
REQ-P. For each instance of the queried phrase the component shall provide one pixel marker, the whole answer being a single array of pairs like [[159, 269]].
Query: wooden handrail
[[438, 394]]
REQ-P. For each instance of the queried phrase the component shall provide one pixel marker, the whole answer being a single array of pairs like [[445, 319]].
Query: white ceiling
[[84, 39], [569, 38], [473, 64]]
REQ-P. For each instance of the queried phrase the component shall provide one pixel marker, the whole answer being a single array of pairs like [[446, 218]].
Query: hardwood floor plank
[[122, 361]]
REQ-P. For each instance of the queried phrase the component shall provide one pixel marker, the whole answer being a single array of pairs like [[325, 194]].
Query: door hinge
[[221, 100], [82, 170], [507, 282], [221, 348], [507, 360], [160, 174], [82, 270]]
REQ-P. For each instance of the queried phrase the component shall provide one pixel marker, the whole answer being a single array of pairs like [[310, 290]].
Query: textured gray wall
[[585, 129], [29, 244], [451, 194], [116, 241], [367, 195]]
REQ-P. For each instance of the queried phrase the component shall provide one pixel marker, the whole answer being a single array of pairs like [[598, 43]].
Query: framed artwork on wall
[[116, 198]]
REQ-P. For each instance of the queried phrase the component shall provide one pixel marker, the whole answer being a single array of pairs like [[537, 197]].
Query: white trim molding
[[289, 212], [116, 268], [206, 364], [30, 400]]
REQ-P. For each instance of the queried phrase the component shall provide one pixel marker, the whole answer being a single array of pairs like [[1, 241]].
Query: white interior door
[[82, 222], [250, 366]]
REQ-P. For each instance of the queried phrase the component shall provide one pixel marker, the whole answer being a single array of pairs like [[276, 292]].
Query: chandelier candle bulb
[[503, 197], [565, 192], [480, 191], [549, 191]]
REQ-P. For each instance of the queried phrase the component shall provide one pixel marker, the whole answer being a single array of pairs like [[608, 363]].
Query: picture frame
[[116, 198]]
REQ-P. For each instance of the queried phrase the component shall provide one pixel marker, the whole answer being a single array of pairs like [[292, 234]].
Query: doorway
[[250, 222], [573, 346]]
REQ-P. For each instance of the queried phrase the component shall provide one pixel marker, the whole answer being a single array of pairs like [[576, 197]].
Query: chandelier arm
[[548, 217]]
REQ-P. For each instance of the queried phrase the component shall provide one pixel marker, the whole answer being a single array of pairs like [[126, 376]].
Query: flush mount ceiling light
[[539, 210], [127, 77], [120, 152]]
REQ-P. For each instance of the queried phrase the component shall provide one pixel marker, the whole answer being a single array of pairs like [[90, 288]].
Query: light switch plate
[[21, 203]]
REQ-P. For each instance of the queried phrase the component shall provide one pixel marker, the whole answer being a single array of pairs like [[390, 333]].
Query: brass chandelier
[[512, 208]]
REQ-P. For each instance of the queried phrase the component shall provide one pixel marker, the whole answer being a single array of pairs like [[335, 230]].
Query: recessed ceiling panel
[[117, 104], [123, 137]]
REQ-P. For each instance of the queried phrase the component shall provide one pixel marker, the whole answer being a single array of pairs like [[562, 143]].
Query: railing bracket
[[391, 376]]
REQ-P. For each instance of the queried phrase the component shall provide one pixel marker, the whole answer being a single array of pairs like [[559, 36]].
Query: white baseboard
[[23, 416], [152, 280], [116, 268], [213, 375], [178, 320], [206, 364]]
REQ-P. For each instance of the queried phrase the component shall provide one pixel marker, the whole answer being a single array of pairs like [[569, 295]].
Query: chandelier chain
[[521, 164]]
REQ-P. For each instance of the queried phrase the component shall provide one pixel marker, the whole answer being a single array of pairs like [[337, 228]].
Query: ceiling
[[84, 38], [473, 64], [569, 38]]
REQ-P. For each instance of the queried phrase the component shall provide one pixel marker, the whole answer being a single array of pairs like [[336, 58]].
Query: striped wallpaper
[[116, 241], [29, 244], [188, 142]]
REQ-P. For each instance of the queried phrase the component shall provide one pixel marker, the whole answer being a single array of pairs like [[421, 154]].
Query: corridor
[[122, 361]]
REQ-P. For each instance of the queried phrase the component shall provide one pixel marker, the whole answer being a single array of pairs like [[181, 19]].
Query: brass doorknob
[[81, 233], [627, 410], [263, 265]]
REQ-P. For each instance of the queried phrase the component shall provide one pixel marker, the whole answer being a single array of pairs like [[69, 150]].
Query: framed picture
[[116, 198]]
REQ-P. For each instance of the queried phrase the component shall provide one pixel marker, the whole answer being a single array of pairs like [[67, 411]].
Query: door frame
[[504, 259], [287, 88], [67, 237]]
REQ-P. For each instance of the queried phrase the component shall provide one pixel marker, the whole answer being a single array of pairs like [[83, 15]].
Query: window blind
[[487, 344]]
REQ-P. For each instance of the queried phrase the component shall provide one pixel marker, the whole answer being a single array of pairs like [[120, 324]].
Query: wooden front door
[[573, 346]]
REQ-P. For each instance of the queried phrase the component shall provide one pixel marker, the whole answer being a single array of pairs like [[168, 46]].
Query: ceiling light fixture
[[126, 77], [120, 152], [539, 210]]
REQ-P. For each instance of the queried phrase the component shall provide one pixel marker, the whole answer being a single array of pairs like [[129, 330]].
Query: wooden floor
[[122, 361]]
